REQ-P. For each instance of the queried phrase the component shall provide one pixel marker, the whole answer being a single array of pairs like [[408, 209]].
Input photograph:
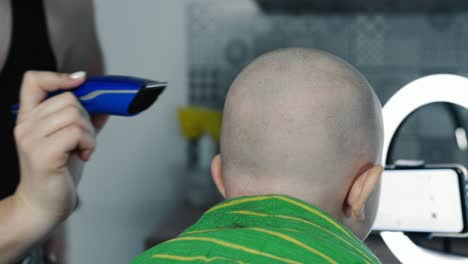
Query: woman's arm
[[82, 54], [47, 134], [20, 229]]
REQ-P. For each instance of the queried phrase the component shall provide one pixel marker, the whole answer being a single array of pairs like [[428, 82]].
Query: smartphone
[[430, 199]]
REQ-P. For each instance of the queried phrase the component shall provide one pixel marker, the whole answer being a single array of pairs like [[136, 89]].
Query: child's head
[[303, 123]]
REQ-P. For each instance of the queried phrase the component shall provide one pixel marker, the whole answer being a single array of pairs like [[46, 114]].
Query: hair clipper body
[[115, 95]]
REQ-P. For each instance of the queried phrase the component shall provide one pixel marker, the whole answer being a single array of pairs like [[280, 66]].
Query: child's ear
[[360, 191], [217, 174]]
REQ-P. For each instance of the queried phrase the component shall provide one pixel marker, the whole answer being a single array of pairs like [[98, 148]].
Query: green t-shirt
[[262, 229]]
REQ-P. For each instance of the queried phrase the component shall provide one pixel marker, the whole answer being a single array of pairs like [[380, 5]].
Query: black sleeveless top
[[29, 49]]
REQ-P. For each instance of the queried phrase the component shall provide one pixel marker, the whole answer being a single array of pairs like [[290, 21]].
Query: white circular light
[[444, 88]]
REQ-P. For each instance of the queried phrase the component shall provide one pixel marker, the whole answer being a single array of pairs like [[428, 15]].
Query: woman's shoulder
[[72, 33]]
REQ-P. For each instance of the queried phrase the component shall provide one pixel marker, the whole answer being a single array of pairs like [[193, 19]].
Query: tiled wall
[[389, 49]]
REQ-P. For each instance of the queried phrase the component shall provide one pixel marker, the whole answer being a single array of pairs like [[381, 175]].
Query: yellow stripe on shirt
[[285, 199], [205, 230], [234, 246], [316, 212], [239, 201], [192, 258], [296, 242], [227, 228], [244, 212]]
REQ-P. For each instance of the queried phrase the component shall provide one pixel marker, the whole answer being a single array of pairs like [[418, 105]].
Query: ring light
[[438, 88]]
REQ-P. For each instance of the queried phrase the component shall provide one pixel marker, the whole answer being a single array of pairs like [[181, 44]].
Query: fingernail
[[78, 75]]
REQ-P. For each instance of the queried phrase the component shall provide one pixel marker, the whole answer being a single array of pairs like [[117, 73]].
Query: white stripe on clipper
[[97, 93], [156, 85]]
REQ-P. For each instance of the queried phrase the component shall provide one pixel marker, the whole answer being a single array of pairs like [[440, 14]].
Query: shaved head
[[302, 123]]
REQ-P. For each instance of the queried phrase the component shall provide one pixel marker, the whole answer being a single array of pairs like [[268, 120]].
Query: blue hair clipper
[[115, 95]]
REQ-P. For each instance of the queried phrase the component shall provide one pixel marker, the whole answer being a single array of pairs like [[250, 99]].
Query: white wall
[[128, 186]]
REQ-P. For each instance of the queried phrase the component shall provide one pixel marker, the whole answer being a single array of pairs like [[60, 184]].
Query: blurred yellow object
[[196, 121]]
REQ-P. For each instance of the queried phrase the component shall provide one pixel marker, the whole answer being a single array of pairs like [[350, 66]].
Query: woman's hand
[[48, 134]]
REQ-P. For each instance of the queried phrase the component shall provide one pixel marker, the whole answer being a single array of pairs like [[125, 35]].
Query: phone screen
[[420, 200]]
